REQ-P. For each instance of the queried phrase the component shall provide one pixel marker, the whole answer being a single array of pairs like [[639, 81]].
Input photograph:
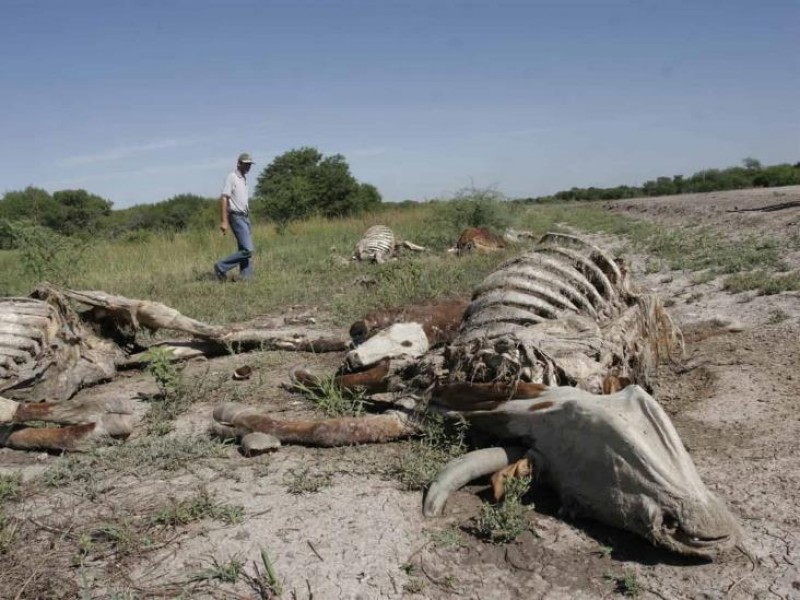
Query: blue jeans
[[240, 225]]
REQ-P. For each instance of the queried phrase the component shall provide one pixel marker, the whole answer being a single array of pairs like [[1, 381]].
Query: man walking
[[235, 214]]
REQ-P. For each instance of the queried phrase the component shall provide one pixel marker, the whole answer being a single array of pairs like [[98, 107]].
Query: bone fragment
[[401, 339], [257, 443]]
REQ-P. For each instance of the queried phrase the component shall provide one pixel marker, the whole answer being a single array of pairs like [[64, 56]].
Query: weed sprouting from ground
[[265, 581], [766, 283], [505, 521], [163, 368], [776, 315], [225, 572], [299, 482], [172, 399], [332, 400], [203, 505], [449, 539], [626, 584], [441, 441], [138, 457], [10, 486], [414, 583]]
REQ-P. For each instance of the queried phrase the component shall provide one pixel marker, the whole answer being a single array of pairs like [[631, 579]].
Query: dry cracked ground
[[188, 517]]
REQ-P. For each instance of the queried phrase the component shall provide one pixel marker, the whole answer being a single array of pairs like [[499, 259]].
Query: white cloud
[[121, 152]]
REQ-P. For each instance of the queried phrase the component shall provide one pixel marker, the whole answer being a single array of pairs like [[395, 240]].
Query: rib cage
[[561, 314], [26, 328], [46, 353], [377, 244]]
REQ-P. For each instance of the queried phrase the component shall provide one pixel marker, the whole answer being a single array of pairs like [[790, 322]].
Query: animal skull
[[617, 459]]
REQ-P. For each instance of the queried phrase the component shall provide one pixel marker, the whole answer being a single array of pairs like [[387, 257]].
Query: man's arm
[[223, 218]]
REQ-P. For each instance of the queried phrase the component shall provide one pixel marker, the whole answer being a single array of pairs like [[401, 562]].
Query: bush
[[45, 255], [303, 182]]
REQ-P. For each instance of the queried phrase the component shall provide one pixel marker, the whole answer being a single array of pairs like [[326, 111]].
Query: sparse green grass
[[776, 315], [139, 457], [303, 481], [626, 584], [203, 505], [8, 532], [414, 583], [225, 572], [766, 283], [332, 400], [449, 539], [505, 521], [265, 581], [120, 536], [440, 442], [10, 487]]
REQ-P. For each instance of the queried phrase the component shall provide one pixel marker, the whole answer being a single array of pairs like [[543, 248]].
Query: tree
[[78, 212], [33, 204], [302, 182], [751, 164]]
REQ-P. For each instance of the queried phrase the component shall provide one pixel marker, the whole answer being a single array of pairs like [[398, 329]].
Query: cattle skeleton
[[562, 315], [379, 244], [544, 335]]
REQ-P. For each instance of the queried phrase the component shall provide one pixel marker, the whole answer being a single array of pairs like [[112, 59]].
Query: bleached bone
[[617, 459], [376, 245], [561, 314], [379, 243], [46, 352], [400, 339], [565, 313], [411, 246], [143, 313]]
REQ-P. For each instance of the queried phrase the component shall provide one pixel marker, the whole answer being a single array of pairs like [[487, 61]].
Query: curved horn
[[459, 472]]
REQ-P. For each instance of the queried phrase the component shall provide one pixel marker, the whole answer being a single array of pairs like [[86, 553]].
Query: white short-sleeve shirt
[[235, 189]]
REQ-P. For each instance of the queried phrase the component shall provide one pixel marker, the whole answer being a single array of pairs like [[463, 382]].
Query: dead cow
[[49, 351], [478, 239], [379, 244], [538, 343]]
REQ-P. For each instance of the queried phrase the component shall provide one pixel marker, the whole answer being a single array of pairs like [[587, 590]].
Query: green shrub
[[505, 521]]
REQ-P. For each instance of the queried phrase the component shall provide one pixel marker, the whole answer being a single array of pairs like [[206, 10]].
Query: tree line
[[752, 174], [297, 184]]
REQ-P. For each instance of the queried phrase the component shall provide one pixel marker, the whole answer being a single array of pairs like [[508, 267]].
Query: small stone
[[257, 443]]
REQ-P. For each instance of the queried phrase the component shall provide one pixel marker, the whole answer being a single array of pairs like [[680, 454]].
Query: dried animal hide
[[617, 459], [439, 320], [478, 239], [48, 351], [87, 421]]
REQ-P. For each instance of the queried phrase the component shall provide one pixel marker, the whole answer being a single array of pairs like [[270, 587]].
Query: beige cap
[[244, 157]]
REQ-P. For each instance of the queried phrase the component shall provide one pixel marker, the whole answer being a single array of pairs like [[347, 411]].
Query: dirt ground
[[734, 400]]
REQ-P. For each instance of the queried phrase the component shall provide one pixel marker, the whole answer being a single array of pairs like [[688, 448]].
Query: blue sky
[[140, 101]]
